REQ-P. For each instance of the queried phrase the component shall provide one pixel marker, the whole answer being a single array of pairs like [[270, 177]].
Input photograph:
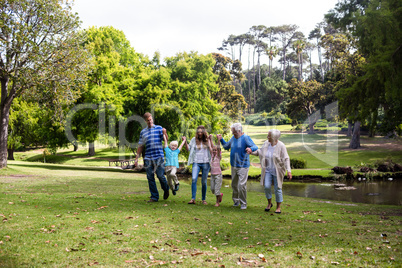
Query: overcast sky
[[172, 26]]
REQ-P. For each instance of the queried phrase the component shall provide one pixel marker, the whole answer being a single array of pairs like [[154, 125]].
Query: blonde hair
[[173, 143]]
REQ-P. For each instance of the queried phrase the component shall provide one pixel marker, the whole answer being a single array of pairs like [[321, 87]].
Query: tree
[[115, 64], [286, 33], [376, 88], [298, 46], [232, 103], [304, 97], [40, 52], [272, 93], [316, 34]]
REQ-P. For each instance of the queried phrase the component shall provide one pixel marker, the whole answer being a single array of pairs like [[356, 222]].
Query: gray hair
[[237, 127], [275, 134]]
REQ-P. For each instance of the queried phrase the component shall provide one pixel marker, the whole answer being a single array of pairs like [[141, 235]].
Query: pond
[[373, 192], [369, 192]]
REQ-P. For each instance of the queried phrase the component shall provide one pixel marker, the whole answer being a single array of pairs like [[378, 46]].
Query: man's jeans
[[156, 166], [196, 170]]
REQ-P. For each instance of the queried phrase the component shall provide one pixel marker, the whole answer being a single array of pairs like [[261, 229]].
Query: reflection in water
[[377, 192]]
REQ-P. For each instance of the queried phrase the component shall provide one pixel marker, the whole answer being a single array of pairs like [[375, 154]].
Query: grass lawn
[[73, 216]]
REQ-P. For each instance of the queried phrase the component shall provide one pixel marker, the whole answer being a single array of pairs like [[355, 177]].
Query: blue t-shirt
[[152, 139], [172, 157], [238, 156]]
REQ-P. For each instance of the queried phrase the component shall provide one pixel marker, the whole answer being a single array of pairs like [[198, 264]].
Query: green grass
[[64, 216]]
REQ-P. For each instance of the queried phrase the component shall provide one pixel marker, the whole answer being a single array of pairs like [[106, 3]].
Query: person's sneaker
[[166, 195], [236, 204], [243, 206], [174, 192], [177, 187], [152, 200]]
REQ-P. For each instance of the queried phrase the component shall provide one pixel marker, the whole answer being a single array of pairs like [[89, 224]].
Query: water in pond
[[375, 192], [378, 192]]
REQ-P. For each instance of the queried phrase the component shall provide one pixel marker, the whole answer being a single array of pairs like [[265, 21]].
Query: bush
[[298, 163]]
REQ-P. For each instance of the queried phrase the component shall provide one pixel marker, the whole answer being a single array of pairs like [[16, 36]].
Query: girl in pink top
[[216, 172]]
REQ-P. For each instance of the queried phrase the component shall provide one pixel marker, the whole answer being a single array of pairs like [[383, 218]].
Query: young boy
[[172, 162]]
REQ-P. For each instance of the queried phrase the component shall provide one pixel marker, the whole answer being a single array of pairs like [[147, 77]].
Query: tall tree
[[298, 46], [286, 34], [40, 50], [316, 34]]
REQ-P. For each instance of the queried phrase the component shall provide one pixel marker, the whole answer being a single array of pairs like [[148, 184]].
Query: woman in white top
[[200, 157], [275, 162]]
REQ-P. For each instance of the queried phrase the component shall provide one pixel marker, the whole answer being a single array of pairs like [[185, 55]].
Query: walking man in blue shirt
[[240, 146], [151, 137]]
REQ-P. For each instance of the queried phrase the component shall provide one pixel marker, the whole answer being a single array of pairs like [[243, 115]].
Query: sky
[[173, 26]]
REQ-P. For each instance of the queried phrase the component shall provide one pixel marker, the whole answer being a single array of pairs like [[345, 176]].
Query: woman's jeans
[[196, 170], [157, 167], [269, 179]]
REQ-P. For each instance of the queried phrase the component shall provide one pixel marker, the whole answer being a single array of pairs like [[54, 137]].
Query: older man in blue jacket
[[240, 146]]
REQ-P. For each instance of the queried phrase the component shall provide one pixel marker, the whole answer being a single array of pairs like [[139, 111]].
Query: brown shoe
[[152, 200]]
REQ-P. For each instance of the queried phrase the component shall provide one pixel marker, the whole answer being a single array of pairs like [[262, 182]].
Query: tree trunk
[[355, 141], [91, 149], [311, 125], [10, 155], [5, 105], [284, 63], [254, 100], [75, 144], [249, 82], [350, 129]]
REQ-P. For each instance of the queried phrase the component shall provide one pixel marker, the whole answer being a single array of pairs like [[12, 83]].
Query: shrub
[[298, 163]]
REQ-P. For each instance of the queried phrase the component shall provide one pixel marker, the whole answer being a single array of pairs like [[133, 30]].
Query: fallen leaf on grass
[[129, 261], [312, 257], [93, 263], [230, 223], [299, 254], [368, 248], [334, 262], [102, 207], [196, 253]]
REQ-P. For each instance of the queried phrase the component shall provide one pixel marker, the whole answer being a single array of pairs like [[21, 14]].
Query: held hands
[[184, 138], [219, 137], [290, 175], [164, 131], [248, 150]]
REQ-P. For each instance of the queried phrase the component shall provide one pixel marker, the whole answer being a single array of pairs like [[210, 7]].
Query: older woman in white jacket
[[275, 162]]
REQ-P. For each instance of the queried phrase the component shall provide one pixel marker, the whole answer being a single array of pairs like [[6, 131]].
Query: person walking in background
[[216, 172], [275, 162], [240, 146], [151, 138], [172, 161], [200, 157]]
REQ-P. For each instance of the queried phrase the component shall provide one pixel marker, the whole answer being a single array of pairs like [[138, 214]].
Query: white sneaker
[[236, 204], [243, 207]]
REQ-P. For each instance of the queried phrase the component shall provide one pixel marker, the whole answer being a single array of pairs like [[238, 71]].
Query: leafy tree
[[40, 52], [304, 98], [232, 103], [272, 93], [115, 64]]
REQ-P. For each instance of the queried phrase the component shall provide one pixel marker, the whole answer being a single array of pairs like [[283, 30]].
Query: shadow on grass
[[78, 168]]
